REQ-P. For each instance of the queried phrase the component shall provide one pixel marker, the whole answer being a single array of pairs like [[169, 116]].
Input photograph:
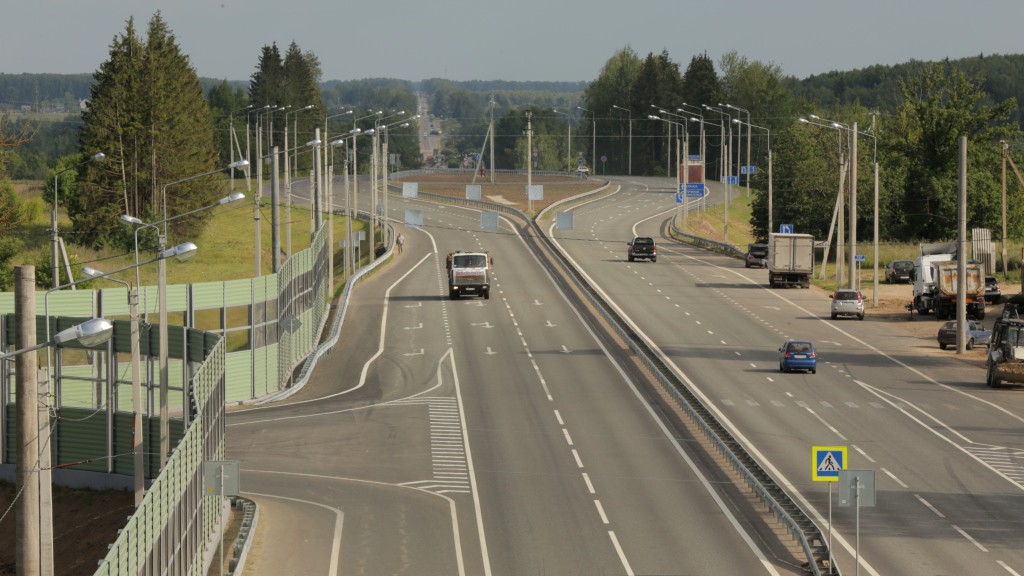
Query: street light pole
[[355, 160], [630, 171], [162, 292], [56, 237], [740, 137], [593, 138], [568, 138], [749, 127]]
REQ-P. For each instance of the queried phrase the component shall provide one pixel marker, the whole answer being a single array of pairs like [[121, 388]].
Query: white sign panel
[[413, 217], [473, 192], [488, 220], [410, 189], [535, 192]]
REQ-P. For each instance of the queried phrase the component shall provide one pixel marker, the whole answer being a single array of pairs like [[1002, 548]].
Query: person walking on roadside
[[400, 241]]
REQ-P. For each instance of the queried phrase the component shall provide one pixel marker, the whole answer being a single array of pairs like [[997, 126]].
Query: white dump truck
[[469, 273], [936, 282]]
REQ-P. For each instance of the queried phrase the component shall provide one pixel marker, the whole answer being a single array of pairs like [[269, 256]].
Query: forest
[[632, 116]]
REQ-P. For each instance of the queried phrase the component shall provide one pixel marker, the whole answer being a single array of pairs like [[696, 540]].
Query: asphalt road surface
[[491, 436]]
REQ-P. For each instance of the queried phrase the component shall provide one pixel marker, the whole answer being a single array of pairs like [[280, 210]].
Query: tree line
[[158, 122]]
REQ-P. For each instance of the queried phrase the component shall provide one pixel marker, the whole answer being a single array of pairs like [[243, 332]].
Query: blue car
[[798, 355]]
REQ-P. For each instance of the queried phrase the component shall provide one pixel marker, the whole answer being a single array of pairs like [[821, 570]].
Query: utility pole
[[1003, 241], [490, 129], [853, 208], [27, 475]]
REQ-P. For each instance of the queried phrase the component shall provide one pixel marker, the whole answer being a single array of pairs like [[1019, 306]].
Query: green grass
[[225, 246]]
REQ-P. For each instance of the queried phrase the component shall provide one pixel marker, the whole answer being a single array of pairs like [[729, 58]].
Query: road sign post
[[826, 464], [857, 488]]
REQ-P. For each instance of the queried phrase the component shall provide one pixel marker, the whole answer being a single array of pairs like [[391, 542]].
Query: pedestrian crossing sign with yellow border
[[827, 462]]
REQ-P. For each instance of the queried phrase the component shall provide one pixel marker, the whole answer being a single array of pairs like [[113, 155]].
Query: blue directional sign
[[748, 169], [730, 179], [858, 257], [695, 190], [695, 158], [785, 228], [679, 196], [827, 462]]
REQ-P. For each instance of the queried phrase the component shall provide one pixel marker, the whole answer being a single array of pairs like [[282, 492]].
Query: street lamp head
[[182, 252], [130, 219], [231, 198], [97, 157], [370, 131], [89, 333], [338, 142], [314, 142], [238, 164], [803, 120], [355, 131], [653, 117], [91, 272], [815, 116]]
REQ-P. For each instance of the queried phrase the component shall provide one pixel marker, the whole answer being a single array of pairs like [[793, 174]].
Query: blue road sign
[[730, 179], [748, 169], [695, 190], [827, 461], [858, 257], [785, 228], [679, 197]]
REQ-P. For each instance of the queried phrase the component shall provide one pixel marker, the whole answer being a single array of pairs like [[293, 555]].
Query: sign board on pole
[[748, 170], [473, 192], [413, 217], [695, 190], [535, 192], [858, 257], [563, 220], [220, 477], [730, 179], [857, 488], [785, 228], [679, 195], [488, 220], [827, 461], [410, 189]]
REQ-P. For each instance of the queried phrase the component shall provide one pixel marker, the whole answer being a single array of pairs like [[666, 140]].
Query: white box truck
[[790, 260]]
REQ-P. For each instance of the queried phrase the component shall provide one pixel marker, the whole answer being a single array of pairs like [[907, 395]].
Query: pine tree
[[148, 115]]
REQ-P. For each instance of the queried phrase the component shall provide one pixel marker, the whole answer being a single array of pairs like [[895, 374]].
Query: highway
[[496, 436], [946, 450]]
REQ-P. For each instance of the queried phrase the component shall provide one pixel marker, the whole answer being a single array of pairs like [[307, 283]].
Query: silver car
[[847, 303]]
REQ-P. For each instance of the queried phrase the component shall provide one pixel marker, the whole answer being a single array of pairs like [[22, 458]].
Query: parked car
[[757, 255], [992, 293], [899, 271], [976, 334], [847, 303], [798, 355]]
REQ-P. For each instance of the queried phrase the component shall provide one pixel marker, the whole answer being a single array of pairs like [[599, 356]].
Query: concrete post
[[27, 476]]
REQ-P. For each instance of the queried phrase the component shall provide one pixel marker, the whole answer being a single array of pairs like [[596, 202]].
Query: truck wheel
[[942, 346], [970, 344], [861, 317], [980, 314], [453, 295], [487, 294], [654, 258], [630, 257], [992, 381]]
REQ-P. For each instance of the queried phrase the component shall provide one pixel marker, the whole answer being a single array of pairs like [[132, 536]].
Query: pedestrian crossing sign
[[827, 462]]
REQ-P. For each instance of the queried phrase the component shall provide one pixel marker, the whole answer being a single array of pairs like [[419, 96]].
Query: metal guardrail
[[327, 346]]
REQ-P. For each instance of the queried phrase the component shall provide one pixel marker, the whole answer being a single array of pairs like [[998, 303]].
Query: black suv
[[642, 247], [899, 271], [757, 255]]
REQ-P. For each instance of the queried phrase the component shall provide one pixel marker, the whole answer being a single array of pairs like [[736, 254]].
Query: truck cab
[[469, 273]]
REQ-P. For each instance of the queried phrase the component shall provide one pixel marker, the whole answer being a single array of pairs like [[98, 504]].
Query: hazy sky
[[513, 40]]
